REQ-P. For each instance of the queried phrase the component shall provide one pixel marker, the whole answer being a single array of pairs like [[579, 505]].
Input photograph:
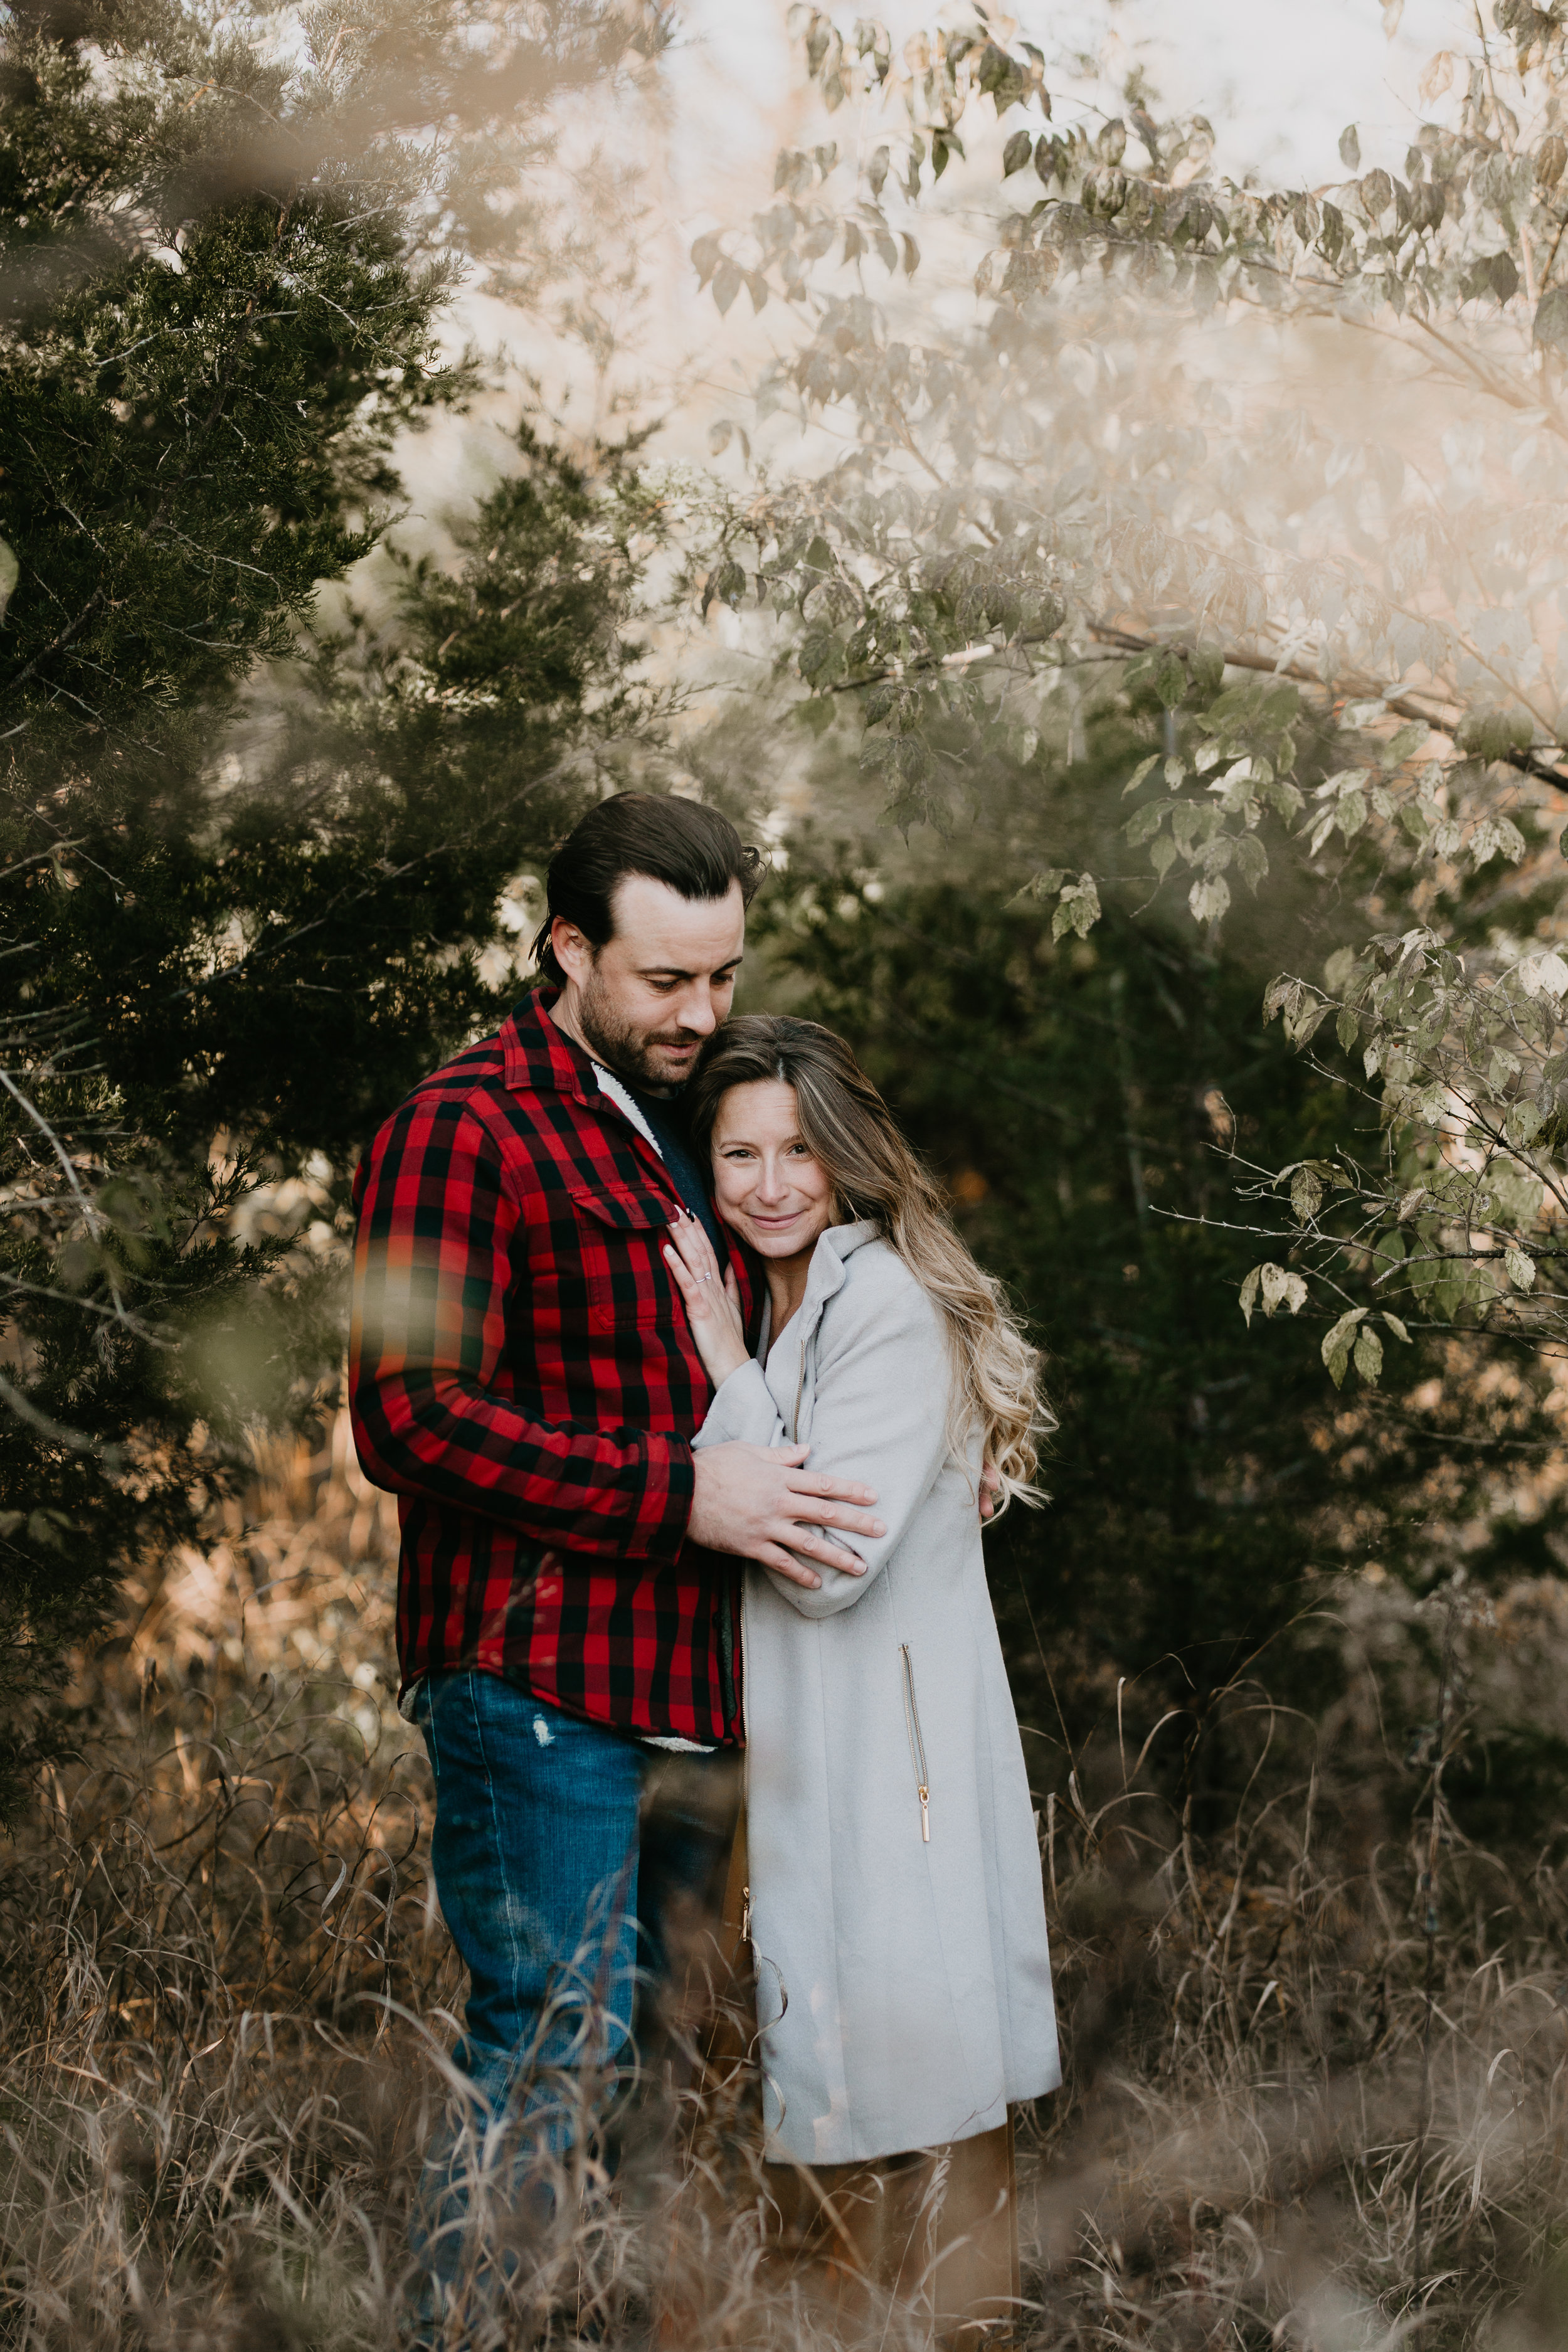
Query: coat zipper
[[917, 1744]]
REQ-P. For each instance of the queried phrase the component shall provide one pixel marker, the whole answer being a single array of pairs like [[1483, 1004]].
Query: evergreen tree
[[223, 267]]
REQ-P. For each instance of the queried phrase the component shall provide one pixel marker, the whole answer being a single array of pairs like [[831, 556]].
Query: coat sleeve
[[879, 1415], [428, 1400], [743, 1409]]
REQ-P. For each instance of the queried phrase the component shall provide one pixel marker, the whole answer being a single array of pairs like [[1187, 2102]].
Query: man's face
[[663, 982]]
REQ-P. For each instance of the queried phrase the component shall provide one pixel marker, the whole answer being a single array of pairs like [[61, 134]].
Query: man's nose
[[698, 1015]]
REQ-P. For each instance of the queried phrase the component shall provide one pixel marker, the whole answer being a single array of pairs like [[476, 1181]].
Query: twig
[[1428, 1886]]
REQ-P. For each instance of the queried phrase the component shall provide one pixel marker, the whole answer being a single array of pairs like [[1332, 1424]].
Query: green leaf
[[1368, 1355], [1347, 1028], [1397, 1327], [1141, 770], [1019, 152], [1376, 193], [1043, 885], [1283, 1288], [1147, 823], [706, 256], [821, 659], [1496, 836], [1350, 148], [1520, 1268], [1283, 797], [1551, 328], [1338, 1343], [1251, 859], [1170, 680], [1407, 744], [1077, 908]]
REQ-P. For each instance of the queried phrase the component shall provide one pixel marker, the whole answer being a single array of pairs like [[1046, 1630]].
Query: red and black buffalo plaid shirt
[[522, 1377]]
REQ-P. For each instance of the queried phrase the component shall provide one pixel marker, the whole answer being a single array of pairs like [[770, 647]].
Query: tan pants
[[917, 2248]]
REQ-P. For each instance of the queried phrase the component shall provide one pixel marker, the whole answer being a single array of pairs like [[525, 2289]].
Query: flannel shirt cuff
[[743, 1409]]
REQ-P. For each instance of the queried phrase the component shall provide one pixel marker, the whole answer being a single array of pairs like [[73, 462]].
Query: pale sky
[[1278, 79]]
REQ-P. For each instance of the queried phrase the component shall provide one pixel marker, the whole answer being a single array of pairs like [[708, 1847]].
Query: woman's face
[[767, 1183]]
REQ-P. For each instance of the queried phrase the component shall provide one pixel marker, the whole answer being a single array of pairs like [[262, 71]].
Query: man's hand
[[760, 1501]]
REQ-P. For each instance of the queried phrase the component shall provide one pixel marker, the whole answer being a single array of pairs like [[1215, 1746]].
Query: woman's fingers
[[696, 1248], [691, 1288]]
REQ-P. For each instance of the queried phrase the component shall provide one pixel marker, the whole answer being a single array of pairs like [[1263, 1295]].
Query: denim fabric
[[535, 1855], [541, 1876]]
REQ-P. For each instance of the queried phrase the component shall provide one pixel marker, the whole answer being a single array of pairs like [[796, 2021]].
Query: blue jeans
[[557, 1886]]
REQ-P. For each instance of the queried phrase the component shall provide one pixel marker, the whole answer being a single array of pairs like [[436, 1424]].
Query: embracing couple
[[694, 1402]]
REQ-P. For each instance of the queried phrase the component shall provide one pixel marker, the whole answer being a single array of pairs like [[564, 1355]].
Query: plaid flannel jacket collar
[[536, 1054]]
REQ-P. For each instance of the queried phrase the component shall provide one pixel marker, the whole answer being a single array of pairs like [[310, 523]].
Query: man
[[523, 1379]]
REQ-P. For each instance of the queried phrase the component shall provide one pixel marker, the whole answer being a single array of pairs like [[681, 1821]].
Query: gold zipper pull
[[925, 1815], [745, 1915]]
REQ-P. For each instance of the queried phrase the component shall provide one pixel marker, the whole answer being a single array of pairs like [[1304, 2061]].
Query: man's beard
[[630, 1053]]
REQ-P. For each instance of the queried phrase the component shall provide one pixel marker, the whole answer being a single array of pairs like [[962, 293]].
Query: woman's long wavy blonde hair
[[874, 1173]]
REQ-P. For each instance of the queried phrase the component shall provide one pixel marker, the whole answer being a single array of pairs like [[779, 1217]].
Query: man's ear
[[571, 949]]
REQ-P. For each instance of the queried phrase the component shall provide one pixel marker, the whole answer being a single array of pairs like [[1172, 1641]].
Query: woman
[[897, 1914]]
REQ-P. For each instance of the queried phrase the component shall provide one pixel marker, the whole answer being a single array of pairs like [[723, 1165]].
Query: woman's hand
[[713, 1300]]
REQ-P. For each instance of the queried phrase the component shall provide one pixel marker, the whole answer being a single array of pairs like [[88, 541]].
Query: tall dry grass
[[1316, 2057]]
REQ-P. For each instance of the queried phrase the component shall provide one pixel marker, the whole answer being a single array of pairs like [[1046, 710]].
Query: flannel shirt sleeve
[[432, 1269]]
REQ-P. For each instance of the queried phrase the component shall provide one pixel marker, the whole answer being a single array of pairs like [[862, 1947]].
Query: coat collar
[[825, 1277]]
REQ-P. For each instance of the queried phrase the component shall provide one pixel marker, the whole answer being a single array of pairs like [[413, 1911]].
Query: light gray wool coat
[[904, 1986]]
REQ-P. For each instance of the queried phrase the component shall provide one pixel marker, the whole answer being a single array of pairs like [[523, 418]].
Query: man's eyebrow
[[675, 971]]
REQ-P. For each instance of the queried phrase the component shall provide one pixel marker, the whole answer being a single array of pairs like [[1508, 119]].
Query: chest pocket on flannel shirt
[[622, 1232]]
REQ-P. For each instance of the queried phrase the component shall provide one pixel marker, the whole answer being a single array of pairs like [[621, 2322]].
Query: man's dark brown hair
[[693, 849]]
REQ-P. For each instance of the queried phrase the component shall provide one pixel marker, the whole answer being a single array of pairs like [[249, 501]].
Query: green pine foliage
[[251, 850]]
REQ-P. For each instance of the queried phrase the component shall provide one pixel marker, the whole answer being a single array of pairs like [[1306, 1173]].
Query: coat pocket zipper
[[916, 1743]]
